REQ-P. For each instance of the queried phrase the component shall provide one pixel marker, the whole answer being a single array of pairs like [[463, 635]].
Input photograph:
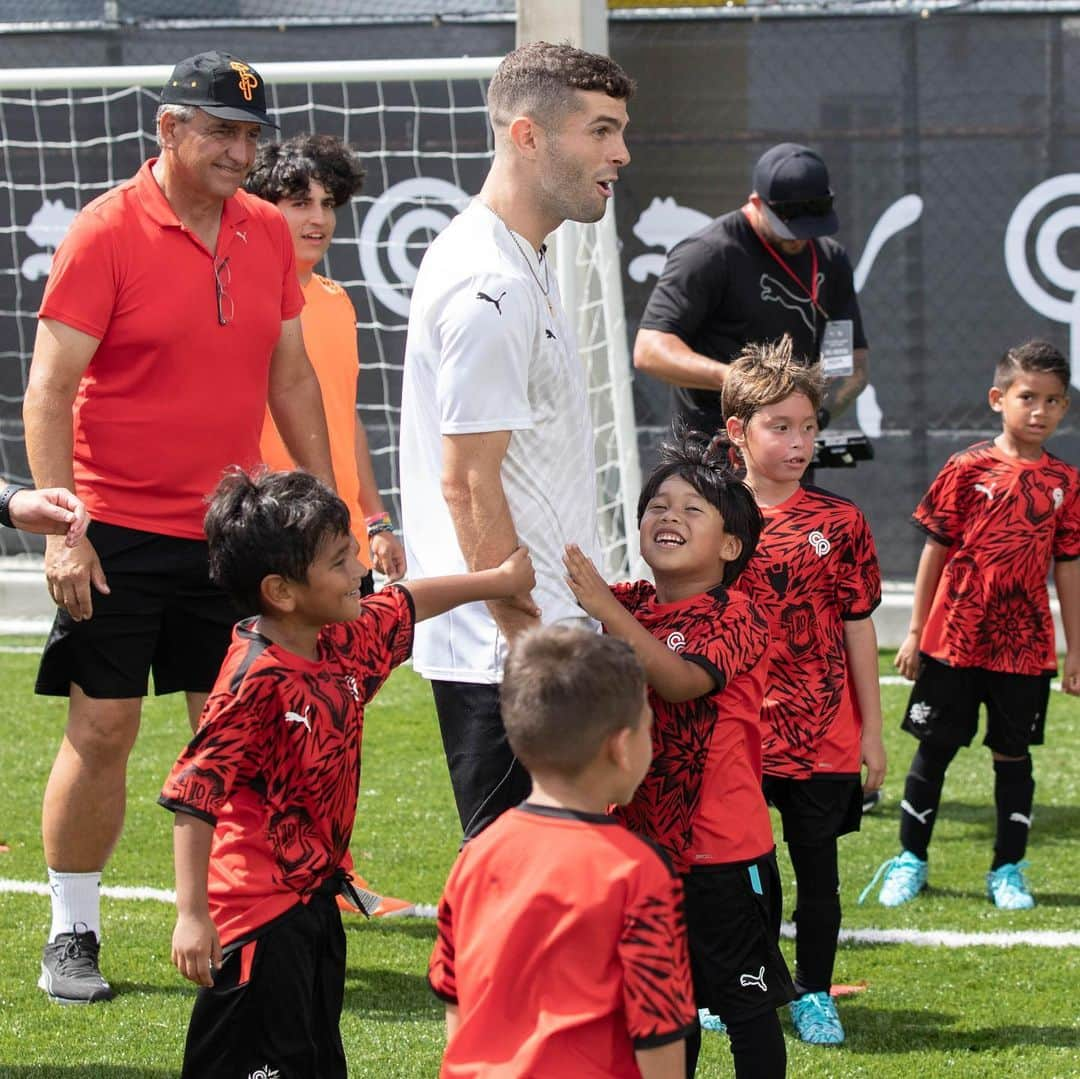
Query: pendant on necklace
[[551, 310]]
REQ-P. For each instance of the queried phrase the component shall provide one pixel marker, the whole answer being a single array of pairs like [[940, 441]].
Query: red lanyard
[[812, 291]]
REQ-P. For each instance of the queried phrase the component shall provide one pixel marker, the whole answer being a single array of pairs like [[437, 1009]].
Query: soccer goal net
[[68, 134]]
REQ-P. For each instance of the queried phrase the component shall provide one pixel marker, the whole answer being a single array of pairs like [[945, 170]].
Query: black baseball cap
[[793, 182], [222, 85]]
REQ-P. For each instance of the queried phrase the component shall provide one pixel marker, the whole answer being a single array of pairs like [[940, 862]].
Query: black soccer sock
[[922, 796], [817, 914], [693, 1050], [757, 1047], [1014, 795]]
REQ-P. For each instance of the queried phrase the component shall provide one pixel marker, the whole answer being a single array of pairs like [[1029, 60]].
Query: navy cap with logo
[[222, 85], [793, 182]]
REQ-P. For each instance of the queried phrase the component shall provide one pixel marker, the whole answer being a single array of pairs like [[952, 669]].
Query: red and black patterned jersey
[[1004, 520], [562, 940], [815, 567], [701, 800], [275, 763]]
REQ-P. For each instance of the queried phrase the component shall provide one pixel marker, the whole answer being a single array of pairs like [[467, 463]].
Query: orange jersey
[[329, 324], [815, 568], [701, 800], [1004, 521], [275, 763], [562, 940], [171, 398]]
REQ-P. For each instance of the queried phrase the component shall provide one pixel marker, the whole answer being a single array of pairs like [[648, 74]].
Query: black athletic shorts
[[733, 929], [943, 708], [162, 613], [275, 1005], [818, 809]]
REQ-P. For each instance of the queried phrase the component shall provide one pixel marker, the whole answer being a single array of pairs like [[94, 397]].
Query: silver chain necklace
[[545, 285]]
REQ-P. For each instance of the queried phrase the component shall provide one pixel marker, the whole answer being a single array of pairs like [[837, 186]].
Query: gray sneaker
[[69, 968]]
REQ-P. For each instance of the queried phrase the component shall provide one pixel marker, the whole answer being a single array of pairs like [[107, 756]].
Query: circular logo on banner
[[1022, 236], [387, 235]]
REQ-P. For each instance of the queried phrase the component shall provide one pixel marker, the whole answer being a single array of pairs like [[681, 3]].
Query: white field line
[[931, 938]]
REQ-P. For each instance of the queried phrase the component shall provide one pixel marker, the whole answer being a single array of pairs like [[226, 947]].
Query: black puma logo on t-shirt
[[494, 303]]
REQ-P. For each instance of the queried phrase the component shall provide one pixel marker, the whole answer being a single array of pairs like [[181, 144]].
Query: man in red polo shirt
[[170, 320]]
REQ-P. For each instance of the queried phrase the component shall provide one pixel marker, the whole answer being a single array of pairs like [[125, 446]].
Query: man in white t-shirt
[[496, 439]]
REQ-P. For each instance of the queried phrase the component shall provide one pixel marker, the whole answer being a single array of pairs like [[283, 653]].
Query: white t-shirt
[[484, 353]]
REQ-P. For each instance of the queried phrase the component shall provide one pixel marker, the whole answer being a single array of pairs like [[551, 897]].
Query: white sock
[[76, 897]]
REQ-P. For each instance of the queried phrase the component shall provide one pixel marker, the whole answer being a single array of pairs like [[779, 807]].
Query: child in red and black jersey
[[562, 942], [996, 517], [815, 578], [265, 793], [705, 648]]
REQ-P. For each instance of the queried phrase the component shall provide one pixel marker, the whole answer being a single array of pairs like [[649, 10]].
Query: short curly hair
[[540, 80], [285, 169]]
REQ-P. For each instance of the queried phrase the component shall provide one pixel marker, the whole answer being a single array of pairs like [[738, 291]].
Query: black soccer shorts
[[275, 1005], [162, 613], [817, 809], [943, 709], [733, 930]]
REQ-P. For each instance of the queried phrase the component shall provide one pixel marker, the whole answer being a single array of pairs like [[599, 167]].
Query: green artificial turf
[[927, 1011]]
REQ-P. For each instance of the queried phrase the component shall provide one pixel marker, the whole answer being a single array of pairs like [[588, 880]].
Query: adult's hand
[[54, 511], [70, 572], [388, 555]]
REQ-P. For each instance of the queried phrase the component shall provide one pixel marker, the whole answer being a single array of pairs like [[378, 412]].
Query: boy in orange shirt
[[308, 178]]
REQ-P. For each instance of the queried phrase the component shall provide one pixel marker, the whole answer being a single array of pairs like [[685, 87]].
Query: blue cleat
[[905, 877], [815, 1019], [711, 1022], [1008, 889]]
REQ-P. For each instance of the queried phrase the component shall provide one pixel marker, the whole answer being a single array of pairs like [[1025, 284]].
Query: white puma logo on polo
[[907, 807], [295, 717], [747, 980], [1020, 819], [988, 491]]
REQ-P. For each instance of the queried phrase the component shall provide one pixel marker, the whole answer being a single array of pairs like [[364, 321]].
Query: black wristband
[[6, 495], [823, 417]]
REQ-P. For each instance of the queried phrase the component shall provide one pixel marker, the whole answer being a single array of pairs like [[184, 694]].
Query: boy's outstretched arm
[[1067, 582], [675, 679], [513, 577], [860, 644], [196, 948], [931, 563], [663, 1062]]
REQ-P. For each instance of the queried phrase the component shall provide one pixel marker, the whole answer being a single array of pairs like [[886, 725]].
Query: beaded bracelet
[[379, 522]]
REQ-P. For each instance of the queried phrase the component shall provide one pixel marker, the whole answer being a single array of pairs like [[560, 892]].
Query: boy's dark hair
[[703, 463], [270, 522], [540, 80], [764, 374], [1032, 357], [285, 169], [564, 691]]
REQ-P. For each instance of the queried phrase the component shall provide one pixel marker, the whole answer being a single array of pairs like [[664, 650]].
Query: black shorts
[[162, 613], [818, 809], [943, 708], [733, 929], [275, 1006]]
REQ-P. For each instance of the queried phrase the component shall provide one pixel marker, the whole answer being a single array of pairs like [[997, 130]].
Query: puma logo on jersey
[[295, 717], [488, 299], [241, 235], [988, 491], [908, 808], [549, 335], [747, 980], [820, 544], [1020, 819], [919, 713], [676, 641]]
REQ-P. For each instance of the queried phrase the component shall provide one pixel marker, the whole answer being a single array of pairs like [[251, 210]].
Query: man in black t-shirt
[[755, 274]]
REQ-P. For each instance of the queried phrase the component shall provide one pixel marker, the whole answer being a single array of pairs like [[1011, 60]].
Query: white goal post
[[68, 134]]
